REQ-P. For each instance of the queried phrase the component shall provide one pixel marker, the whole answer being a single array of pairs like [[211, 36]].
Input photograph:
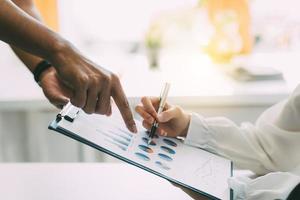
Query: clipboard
[[169, 158]]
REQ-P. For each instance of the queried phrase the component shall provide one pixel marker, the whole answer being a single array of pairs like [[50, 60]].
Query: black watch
[[39, 69]]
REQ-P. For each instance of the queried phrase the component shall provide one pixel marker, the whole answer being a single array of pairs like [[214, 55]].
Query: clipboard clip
[[69, 113]]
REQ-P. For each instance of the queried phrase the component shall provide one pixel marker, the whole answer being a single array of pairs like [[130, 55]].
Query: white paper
[[169, 157]]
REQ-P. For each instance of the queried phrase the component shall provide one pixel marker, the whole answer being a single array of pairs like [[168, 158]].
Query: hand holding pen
[[173, 120], [162, 102]]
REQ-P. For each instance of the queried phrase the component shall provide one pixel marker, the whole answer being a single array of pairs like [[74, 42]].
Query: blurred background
[[232, 58]]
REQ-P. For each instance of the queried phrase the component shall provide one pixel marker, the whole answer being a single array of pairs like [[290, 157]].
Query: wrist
[[59, 52], [186, 119], [40, 68]]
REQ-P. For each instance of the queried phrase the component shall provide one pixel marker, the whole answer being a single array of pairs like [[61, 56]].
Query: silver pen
[[162, 103]]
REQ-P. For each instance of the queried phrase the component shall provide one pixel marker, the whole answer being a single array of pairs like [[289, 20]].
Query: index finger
[[79, 97], [155, 101], [123, 105], [149, 105]]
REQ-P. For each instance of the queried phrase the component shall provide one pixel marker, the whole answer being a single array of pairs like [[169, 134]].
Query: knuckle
[[125, 104], [149, 119], [177, 108], [106, 79], [114, 78], [144, 99], [94, 79], [106, 83], [82, 80], [144, 123]]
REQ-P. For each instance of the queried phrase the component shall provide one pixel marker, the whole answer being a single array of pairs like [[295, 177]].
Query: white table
[[83, 181]]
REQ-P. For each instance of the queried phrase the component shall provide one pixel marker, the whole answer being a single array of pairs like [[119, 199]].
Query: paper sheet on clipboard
[[169, 158]]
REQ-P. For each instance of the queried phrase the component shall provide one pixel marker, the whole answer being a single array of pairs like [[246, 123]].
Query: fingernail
[[109, 113], [134, 129], [64, 101]]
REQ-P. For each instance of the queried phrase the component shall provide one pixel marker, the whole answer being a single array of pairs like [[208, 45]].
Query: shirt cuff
[[275, 185], [198, 134]]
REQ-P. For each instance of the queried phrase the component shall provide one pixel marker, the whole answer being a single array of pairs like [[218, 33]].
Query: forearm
[[261, 148], [23, 31], [221, 136], [29, 60], [288, 119], [87, 81]]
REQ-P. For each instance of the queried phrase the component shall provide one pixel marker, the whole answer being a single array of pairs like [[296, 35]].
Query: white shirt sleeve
[[271, 146], [264, 147], [275, 185]]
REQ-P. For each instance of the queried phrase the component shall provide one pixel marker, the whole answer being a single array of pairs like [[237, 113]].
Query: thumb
[[168, 114], [63, 100], [60, 101]]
